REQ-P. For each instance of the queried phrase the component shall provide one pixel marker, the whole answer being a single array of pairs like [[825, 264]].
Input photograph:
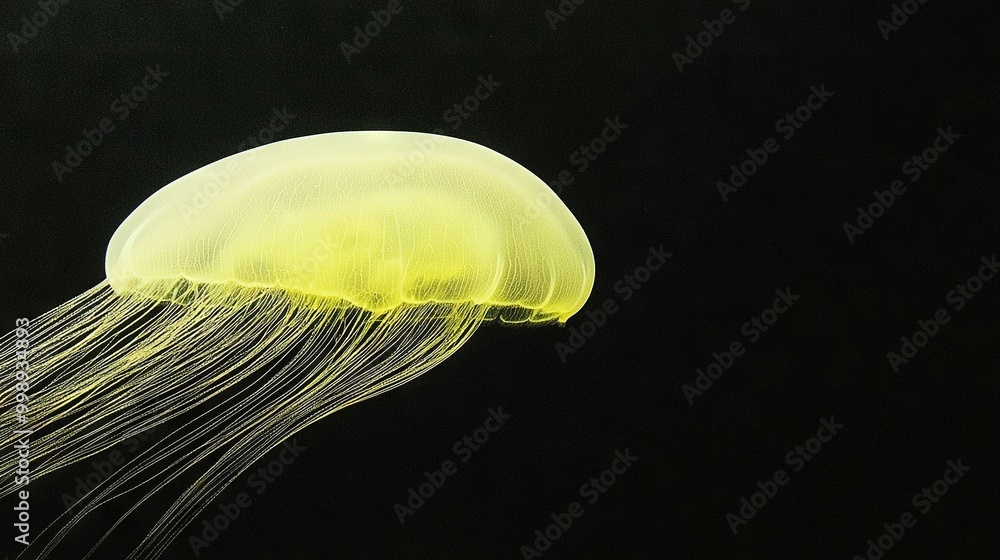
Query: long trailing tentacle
[[241, 370]]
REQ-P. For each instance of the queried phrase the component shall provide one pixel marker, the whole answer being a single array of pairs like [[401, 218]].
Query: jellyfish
[[260, 293]]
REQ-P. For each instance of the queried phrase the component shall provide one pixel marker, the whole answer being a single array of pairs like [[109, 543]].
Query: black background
[[653, 186]]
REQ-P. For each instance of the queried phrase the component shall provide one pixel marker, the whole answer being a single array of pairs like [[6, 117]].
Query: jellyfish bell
[[264, 291], [336, 216]]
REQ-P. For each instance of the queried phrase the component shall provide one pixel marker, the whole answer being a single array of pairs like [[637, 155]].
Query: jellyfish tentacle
[[317, 400], [340, 357]]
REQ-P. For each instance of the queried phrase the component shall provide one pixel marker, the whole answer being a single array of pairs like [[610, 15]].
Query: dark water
[[804, 273]]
